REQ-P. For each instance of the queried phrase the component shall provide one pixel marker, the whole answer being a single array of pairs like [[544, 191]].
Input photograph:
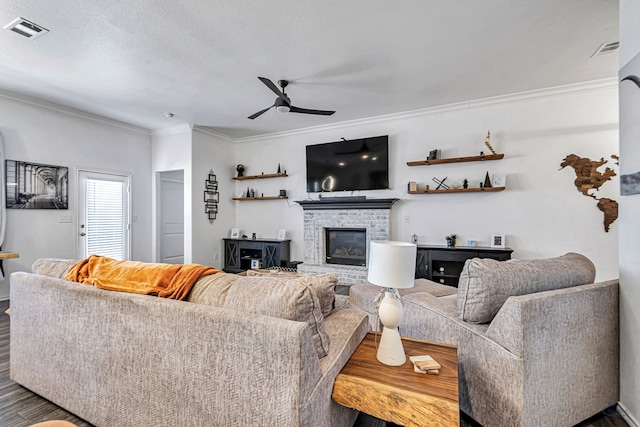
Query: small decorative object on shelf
[[248, 192], [498, 241], [441, 183], [240, 169], [433, 154], [413, 186], [487, 142], [465, 183], [279, 171], [211, 196], [451, 240], [487, 181], [499, 179], [253, 236], [283, 193]]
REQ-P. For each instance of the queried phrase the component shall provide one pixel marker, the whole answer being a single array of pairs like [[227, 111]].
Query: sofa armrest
[[568, 341]]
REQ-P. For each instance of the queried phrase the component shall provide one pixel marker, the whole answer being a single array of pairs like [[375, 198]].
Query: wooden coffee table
[[397, 393]]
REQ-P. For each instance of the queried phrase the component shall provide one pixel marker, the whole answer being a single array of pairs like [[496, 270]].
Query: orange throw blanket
[[164, 280]]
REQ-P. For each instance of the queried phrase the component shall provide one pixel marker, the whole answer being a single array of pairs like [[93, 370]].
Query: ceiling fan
[[283, 103]]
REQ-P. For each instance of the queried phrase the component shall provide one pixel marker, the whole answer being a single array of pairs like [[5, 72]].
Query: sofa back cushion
[[290, 298], [53, 267], [323, 284], [485, 284]]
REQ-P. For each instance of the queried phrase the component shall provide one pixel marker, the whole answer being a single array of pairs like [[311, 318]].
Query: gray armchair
[[548, 356]]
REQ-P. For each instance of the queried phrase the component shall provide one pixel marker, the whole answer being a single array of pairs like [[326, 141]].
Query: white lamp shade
[[392, 264]]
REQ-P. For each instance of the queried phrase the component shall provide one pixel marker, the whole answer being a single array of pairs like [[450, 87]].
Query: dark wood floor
[[20, 408]]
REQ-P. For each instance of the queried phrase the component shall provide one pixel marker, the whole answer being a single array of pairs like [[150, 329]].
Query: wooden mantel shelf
[[9, 255], [457, 160]]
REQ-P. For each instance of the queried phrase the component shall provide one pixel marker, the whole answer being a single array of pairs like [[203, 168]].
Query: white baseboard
[[627, 416]]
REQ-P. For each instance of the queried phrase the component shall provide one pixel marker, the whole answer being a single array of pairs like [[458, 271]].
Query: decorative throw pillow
[[52, 267], [323, 284], [485, 284], [283, 297]]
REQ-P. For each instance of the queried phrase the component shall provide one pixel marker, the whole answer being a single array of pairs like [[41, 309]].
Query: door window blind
[[106, 232]]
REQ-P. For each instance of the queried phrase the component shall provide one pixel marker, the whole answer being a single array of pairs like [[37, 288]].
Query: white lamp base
[[390, 350]]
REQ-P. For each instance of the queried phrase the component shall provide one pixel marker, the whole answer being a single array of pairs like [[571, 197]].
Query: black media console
[[240, 253], [444, 264]]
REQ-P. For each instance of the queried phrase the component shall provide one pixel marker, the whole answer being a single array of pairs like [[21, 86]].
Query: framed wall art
[[36, 186]]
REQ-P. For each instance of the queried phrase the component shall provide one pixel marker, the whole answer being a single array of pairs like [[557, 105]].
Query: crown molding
[[173, 130], [211, 132], [69, 111], [551, 92]]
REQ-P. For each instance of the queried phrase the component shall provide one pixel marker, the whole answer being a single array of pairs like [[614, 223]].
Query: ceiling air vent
[[26, 28], [606, 48]]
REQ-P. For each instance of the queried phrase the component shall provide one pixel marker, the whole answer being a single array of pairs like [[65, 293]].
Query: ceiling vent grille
[[606, 48], [26, 28]]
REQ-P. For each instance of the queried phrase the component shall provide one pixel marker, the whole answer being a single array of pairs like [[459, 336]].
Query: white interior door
[[171, 217], [103, 215]]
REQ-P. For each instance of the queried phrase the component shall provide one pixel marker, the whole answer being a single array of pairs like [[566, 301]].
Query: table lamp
[[392, 266]]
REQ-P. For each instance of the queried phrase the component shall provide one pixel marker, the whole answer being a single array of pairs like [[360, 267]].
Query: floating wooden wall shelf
[[261, 198], [457, 190], [263, 176], [456, 160]]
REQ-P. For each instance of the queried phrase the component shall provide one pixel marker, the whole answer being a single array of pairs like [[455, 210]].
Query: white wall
[[541, 212], [171, 150], [40, 133], [197, 151], [212, 153], [629, 214]]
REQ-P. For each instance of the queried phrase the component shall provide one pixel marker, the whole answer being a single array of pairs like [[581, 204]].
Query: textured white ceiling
[[134, 60]]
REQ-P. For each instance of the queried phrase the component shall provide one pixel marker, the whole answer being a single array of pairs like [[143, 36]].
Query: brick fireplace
[[335, 214]]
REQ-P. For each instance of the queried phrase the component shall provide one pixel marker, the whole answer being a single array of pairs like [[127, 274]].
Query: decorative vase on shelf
[[240, 170], [451, 240]]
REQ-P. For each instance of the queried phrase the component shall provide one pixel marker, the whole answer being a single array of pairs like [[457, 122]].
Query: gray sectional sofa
[[242, 351], [537, 340]]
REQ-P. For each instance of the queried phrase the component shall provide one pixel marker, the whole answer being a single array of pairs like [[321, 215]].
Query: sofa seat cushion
[[323, 284], [281, 297], [485, 284], [435, 319], [363, 296]]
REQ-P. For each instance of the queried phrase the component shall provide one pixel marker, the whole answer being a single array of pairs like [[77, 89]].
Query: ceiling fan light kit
[[283, 102]]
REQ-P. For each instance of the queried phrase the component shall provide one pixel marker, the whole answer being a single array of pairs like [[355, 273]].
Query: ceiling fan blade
[[307, 111], [261, 112], [271, 86]]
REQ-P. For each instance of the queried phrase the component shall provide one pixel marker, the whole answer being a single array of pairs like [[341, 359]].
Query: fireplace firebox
[[346, 246]]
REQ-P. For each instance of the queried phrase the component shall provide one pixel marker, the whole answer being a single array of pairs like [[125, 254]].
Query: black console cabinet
[[239, 253], [444, 264]]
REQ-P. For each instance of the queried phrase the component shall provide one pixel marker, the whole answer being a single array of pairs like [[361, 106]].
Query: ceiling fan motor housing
[[283, 105]]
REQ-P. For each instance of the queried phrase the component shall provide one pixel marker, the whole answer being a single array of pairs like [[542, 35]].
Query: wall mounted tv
[[348, 165]]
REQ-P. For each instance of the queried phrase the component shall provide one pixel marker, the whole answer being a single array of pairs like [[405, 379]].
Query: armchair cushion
[[485, 284]]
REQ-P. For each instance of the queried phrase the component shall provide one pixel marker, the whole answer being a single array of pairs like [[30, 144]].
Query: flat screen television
[[348, 165]]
